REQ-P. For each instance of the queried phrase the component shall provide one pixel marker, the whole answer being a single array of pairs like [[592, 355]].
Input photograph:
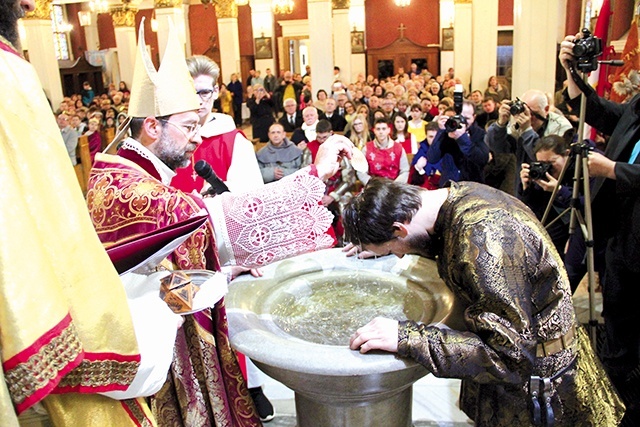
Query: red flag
[[631, 58], [598, 78]]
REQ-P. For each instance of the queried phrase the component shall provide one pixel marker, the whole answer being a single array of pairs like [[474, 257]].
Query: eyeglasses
[[357, 123], [192, 129], [206, 94]]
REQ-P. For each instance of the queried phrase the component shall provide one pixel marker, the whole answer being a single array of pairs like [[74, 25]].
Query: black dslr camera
[[586, 51], [454, 123], [538, 170], [516, 107]]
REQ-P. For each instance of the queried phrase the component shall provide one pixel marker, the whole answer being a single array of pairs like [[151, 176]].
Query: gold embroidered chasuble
[[500, 263]]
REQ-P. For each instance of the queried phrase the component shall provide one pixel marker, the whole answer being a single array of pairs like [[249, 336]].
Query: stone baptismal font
[[296, 320]]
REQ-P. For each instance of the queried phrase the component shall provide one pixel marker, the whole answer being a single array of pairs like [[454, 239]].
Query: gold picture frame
[[263, 48], [357, 41], [447, 39]]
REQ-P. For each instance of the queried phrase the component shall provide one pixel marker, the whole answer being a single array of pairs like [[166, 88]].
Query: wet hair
[[368, 217]]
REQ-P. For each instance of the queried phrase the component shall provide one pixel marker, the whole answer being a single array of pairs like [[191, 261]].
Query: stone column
[[320, 45], [342, 33], [42, 51], [124, 21], [357, 23], [92, 39], [463, 40], [485, 43], [534, 51], [262, 25], [227, 14], [168, 10]]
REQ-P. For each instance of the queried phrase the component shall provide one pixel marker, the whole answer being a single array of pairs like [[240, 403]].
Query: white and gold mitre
[[170, 89]]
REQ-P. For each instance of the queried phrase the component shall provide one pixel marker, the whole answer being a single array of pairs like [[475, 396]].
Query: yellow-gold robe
[[65, 325]]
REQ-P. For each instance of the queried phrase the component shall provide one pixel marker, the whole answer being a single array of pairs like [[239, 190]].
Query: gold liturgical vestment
[[65, 325], [503, 268]]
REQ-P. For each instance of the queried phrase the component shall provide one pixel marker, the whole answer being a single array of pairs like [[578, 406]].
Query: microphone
[[613, 62], [204, 170]]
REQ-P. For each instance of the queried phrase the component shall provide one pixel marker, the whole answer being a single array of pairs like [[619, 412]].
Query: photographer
[[459, 146], [538, 182], [616, 216], [521, 123]]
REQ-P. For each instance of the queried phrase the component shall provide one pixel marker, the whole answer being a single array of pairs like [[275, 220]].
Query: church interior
[[70, 43]]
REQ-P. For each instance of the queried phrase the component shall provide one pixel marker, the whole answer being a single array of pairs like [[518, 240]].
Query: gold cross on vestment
[[401, 28]]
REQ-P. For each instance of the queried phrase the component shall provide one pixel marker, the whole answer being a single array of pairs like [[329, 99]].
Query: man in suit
[[292, 118], [616, 215], [337, 121]]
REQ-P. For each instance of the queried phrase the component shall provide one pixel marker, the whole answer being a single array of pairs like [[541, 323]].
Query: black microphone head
[[203, 169]]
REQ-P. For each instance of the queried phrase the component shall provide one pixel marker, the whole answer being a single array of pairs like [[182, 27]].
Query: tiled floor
[[435, 400]]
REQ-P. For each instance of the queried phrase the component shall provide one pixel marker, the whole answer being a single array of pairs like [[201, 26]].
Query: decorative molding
[[42, 10], [163, 4], [123, 16], [226, 9], [341, 4]]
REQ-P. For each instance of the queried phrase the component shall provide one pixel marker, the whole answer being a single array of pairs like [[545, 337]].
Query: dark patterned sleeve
[[486, 268]]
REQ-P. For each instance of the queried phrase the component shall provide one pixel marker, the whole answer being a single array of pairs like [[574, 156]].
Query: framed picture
[[263, 48], [357, 41], [447, 39]]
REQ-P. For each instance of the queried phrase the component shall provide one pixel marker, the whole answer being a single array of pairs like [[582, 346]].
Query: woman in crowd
[[496, 90], [122, 87], [262, 114], [349, 113], [224, 103], [401, 133], [359, 133], [321, 97]]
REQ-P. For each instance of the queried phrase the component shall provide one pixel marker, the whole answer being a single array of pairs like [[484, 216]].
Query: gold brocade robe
[[64, 319], [504, 270]]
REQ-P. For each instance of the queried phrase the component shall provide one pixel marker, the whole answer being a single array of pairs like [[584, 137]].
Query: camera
[[516, 107], [586, 51], [538, 170], [454, 123]]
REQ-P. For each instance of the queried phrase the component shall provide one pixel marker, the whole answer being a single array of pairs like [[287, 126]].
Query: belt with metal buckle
[[557, 344]]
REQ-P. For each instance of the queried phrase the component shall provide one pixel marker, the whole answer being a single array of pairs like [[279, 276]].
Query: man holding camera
[[616, 216], [460, 146], [521, 123]]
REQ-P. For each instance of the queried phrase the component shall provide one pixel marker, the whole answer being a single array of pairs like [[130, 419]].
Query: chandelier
[[282, 7], [99, 6], [402, 3]]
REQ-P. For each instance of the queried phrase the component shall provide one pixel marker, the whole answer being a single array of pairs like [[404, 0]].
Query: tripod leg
[[593, 322]]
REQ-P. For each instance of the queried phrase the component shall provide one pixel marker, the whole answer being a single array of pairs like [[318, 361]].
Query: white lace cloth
[[277, 221]]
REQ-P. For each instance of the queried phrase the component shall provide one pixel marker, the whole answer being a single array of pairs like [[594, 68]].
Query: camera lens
[[579, 49], [453, 123]]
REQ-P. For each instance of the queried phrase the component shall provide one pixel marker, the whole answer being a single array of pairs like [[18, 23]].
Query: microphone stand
[[581, 173]]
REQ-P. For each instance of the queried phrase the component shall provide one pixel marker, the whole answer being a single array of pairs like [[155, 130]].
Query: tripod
[[579, 150]]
